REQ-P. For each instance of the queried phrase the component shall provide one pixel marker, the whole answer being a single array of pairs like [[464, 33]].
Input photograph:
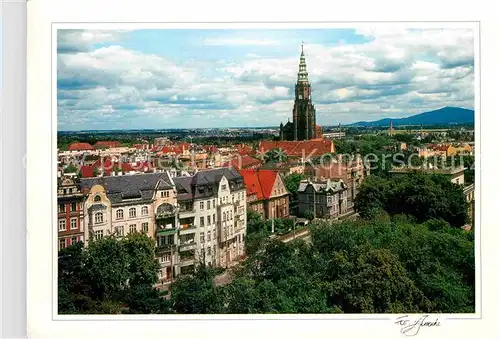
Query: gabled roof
[[193, 187], [123, 187], [260, 182]]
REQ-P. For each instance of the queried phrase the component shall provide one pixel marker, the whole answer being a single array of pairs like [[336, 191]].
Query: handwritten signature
[[411, 327]]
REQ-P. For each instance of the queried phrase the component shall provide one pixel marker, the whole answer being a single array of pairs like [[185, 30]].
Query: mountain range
[[442, 116]]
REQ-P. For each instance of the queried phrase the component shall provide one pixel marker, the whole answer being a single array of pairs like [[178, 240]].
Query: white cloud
[[239, 42], [397, 73]]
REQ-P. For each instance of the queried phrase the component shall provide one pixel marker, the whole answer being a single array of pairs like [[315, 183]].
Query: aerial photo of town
[[280, 171]]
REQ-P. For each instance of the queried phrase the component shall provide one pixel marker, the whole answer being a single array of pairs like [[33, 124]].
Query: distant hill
[[442, 116]]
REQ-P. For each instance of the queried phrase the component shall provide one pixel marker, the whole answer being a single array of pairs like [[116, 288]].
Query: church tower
[[304, 114], [303, 126]]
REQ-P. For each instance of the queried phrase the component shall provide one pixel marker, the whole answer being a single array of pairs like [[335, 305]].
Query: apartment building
[[212, 218], [325, 199], [125, 204], [70, 228]]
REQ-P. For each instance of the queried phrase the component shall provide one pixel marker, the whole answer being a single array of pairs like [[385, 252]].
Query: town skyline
[[245, 78]]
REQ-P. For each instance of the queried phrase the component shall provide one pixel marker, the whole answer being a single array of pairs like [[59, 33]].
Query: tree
[[108, 273], [423, 196], [309, 215], [197, 293]]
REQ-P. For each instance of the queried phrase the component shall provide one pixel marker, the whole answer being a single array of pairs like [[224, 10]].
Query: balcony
[[187, 246], [186, 211], [187, 229], [166, 248], [188, 261], [165, 231]]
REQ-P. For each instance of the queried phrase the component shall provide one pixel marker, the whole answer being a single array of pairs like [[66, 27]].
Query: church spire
[[302, 75]]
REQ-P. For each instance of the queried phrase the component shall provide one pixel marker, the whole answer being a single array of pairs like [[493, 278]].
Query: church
[[303, 126]]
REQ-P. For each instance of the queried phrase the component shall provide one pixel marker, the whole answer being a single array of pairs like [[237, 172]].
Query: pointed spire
[[302, 75]]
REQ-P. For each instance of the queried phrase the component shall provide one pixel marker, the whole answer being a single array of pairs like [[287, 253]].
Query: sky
[[192, 78]]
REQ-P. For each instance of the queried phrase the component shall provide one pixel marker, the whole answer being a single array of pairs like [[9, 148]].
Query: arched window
[[144, 210], [99, 218], [97, 198], [132, 212], [119, 214]]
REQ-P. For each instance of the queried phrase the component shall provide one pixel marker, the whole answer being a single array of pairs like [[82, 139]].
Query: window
[[208, 205], [119, 231], [202, 221], [99, 234], [132, 212], [161, 274], [62, 244], [97, 198], [213, 203], [213, 217], [208, 220], [163, 194], [99, 218], [208, 235], [62, 208], [132, 228], [203, 253], [119, 214], [144, 210], [201, 205], [62, 224], [209, 250], [73, 207], [213, 250], [168, 194], [231, 214], [72, 224], [74, 240], [145, 227], [224, 187], [202, 237]]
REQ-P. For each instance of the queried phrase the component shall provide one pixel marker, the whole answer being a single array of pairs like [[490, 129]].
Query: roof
[[80, 146], [260, 182], [205, 183], [137, 186], [306, 148], [329, 185], [242, 162], [107, 144]]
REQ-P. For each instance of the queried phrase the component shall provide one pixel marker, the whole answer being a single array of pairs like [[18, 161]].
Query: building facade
[[303, 126], [266, 193], [69, 212], [212, 216], [324, 199]]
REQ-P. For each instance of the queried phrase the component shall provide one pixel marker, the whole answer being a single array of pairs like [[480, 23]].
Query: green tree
[[420, 195]]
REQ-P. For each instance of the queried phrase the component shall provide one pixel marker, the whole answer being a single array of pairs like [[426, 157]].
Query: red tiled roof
[[308, 148], [87, 171], [80, 146], [140, 146], [108, 144], [243, 162], [259, 182], [441, 148]]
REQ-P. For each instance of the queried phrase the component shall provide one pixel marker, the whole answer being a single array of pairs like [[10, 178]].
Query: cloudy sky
[[230, 78]]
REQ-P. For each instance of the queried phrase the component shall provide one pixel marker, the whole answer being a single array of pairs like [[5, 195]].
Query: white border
[[39, 151], [120, 26], [13, 150]]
